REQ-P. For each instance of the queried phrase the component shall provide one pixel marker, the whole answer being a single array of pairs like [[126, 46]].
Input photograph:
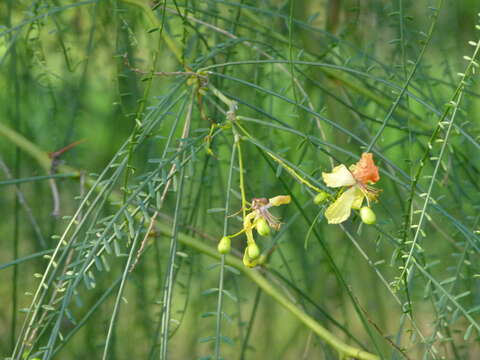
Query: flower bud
[[253, 251], [247, 261], [280, 200], [262, 227], [320, 197], [192, 80], [367, 215], [224, 245]]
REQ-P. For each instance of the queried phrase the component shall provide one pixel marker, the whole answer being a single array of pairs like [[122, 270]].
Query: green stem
[[242, 183], [250, 323], [282, 163], [27, 146], [218, 325], [38, 178]]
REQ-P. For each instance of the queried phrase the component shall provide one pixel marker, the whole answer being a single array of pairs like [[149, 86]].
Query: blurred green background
[[314, 82]]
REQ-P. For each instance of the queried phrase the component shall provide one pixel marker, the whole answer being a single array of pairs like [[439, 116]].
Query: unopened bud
[[262, 227], [192, 81], [367, 215], [247, 261], [224, 245], [320, 197], [253, 251], [280, 200]]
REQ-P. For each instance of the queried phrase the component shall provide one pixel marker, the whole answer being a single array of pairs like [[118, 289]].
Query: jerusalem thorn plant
[[239, 179]]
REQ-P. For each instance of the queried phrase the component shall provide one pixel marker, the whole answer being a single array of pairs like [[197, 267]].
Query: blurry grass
[[65, 77]]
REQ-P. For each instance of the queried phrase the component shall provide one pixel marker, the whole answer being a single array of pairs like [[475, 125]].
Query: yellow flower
[[356, 180]]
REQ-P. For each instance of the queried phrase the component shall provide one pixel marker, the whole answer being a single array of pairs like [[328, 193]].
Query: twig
[[55, 156], [377, 328], [162, 73]]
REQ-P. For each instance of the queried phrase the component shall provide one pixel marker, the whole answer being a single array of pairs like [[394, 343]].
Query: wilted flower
[[260, 212], [356, 179]]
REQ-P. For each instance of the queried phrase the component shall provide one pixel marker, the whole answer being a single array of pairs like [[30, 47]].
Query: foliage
[[138, 135]]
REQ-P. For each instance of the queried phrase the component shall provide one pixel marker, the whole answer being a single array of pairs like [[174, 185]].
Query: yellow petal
[[340, 176], [359, 196], [340, 210]]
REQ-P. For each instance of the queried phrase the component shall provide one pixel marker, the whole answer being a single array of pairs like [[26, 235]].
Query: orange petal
[[365, 170]]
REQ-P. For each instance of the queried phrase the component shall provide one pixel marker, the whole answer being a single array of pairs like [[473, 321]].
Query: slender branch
[[162, 73]]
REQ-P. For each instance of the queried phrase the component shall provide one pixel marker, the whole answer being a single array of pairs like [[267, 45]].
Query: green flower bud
[[253, 251], [262, 227], [192, 80], [367, 215], [320, 197], [224, 245], [247, 261]]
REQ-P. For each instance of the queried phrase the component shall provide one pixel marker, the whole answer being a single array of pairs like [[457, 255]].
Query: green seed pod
[[320, 197], [224, 245], [262, 227], [367, 215], [253, 251]]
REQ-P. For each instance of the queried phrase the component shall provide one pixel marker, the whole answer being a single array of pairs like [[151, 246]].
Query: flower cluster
[[260, 219]]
